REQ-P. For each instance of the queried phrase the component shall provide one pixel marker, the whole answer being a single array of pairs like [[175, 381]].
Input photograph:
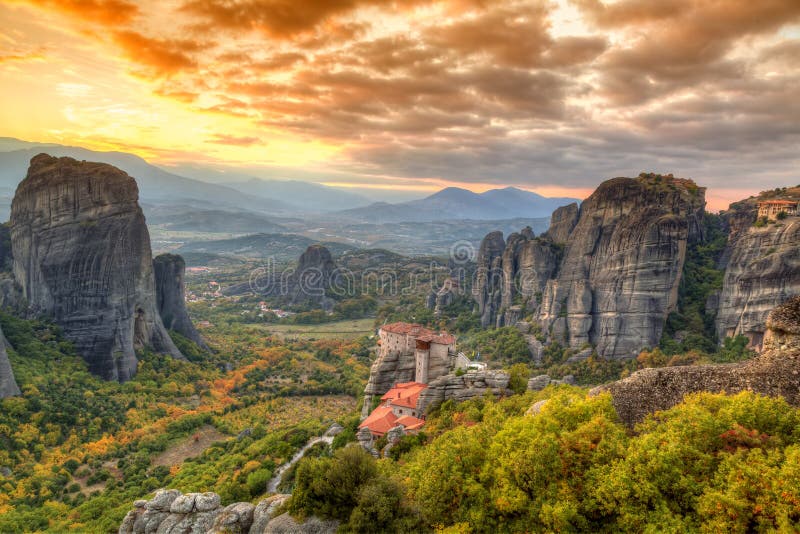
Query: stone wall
[[775, 372]]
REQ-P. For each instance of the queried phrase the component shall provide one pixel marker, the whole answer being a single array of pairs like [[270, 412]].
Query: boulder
[[286, 524], [234, 519], [264, 511], [538, 383]]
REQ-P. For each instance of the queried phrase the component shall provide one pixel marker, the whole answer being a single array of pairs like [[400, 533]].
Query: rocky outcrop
[[488, 285], [388, 369], [622, 264], [169, 272], [170, 512], [316, 274], [509, 284], [618, 276], [465, 387], [773, 373], [82, 256], [8, 384], [439, 299], [763, 270], [562, 222]]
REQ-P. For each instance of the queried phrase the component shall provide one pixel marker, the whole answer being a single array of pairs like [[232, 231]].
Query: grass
[[351, 328], [191, 447]]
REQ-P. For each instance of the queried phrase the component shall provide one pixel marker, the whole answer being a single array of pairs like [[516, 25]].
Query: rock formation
[[774, 373], [562, 222], [439, 299], [763, 270], [618, 277], [461, 388], [488, 286], [513, 272], [8, 384], [82, 255], [316, 274], [170, 512], [169, 271]]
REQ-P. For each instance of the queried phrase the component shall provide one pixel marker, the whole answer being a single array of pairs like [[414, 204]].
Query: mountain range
[[240, 192], [454, 203]]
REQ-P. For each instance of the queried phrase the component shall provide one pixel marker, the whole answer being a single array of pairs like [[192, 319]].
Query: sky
[[414, 95]]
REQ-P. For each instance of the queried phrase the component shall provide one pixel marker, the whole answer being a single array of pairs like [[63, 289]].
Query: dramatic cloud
[[558, 93], [109, 12], [159, 56]]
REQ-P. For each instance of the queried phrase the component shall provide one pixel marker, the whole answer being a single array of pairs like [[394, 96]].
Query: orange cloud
[[281, 19], [32, 56], [160, 56], [223, 139], [105, 12]]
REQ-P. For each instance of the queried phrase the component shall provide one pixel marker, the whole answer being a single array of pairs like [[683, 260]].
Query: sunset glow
[[552, 96]]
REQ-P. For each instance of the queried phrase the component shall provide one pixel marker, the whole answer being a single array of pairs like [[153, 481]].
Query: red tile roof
[[405, 394], [419, 332], [380, 421], [409, 422]]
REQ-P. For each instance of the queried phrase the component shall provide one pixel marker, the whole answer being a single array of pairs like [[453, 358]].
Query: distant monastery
[[772, 208], [434, 356]]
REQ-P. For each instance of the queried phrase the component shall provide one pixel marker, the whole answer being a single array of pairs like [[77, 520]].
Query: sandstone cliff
[[465, 387], [774, 373], [763, 270], [488, 286], [82, 255], [316, 274], [622, 264], [169, 272], [617, 278], [511, 276], [562, 222], [8, 384]]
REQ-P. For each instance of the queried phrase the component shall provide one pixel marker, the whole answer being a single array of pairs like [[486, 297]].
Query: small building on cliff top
[[398, 407], [772, 208], [434, 352]]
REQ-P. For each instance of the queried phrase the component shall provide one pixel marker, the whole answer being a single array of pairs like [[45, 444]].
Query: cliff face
[[316, 273], [562, 222], [169, 271], [617, 280], [465, 387], [763, 270], [488, 285], [772, 373], [8, 384], [511, 274], [619, 277], [82, 255]]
